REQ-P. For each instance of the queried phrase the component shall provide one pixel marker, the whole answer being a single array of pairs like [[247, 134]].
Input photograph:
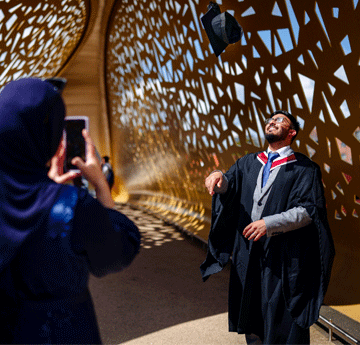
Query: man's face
[[276, 130]]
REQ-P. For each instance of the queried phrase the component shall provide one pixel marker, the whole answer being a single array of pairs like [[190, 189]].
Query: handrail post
[[330, 331]]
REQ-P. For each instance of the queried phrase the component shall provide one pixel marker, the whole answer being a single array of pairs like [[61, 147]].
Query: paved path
[[160, 299]]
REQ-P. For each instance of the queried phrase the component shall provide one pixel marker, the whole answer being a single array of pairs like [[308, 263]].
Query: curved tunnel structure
[[177, 112], [168, 111]]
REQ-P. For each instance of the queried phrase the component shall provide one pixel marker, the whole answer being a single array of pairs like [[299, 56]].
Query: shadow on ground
[[161, 288]]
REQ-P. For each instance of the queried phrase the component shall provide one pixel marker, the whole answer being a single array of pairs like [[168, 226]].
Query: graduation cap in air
[[222, 29]]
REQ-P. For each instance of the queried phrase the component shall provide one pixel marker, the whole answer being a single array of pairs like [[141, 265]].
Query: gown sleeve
[[224, 214], [107, 238], [307, 254], [311, 196]]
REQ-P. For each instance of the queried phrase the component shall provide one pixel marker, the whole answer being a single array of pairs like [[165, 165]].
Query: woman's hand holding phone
[[91, 170], [56, 172]]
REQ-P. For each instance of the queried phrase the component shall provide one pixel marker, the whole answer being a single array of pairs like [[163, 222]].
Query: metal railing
[[333, 329]]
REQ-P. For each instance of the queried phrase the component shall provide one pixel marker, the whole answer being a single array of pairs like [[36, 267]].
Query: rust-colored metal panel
[[177, 112], [39, 37], [59, 38]]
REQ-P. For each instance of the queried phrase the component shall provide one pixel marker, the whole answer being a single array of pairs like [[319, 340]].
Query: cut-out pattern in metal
[[37, 37], [182, 112]]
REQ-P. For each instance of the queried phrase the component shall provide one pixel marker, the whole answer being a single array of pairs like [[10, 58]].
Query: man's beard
[[272, 138]]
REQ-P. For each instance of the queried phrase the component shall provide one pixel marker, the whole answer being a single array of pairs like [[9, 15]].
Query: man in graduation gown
[[274, 225]]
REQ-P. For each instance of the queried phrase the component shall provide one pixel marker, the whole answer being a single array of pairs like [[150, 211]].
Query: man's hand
[[255, 230], [216, 183]]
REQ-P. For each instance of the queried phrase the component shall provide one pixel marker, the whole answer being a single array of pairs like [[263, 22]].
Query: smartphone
[[75, 142]]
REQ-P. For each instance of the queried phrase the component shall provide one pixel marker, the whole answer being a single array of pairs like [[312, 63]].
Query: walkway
[[160, 299]]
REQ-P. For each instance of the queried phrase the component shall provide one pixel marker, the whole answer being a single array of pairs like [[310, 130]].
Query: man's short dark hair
[[106, 159], [295, 124]]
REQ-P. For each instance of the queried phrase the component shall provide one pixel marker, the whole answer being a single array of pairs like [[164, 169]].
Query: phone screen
[[75, 142]]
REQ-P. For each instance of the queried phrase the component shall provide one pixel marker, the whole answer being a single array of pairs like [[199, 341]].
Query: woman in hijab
[[51, 235]]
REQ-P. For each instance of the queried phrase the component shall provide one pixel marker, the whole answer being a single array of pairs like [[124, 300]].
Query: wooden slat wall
[[84, 94]]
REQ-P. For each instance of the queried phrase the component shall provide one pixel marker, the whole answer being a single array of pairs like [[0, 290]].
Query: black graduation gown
[[289, 271]]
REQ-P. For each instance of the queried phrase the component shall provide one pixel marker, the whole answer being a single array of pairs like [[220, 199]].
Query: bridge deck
[[161, 299]]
